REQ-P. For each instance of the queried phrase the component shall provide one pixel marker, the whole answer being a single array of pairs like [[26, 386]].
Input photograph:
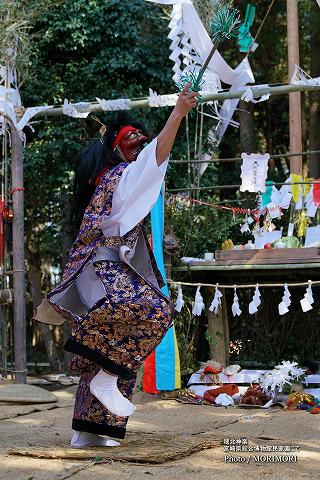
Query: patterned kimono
[[126, 315]]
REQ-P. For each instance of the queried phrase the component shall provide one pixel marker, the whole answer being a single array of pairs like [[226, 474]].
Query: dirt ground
[[37, 426]]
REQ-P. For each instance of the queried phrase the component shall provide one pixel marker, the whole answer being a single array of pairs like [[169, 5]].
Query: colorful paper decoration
[[316, 192], [254, 171], [162, 367], [245, 40]]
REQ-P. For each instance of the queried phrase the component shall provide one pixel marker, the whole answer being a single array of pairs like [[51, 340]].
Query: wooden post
[[294, 98], [20, 347], [218, 329]]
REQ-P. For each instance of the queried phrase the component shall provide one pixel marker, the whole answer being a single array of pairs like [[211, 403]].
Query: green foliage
[[83, 49], [200, 229]]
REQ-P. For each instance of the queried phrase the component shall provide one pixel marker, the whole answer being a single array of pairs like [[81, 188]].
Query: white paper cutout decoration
[[248, 95], [216, 302], [71, 110], [286, 301], [179, 301], [256, 301], [198, 305], [254, 171], [307, 301], [236, 310], [111, 105]]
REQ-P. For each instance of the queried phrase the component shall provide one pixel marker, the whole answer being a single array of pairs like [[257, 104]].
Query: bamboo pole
[[20, 346], [294, 98], [257, 92]]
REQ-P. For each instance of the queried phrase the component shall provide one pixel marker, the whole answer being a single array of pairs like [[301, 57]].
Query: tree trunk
[[51, 350], [19, 317], [247, 131], [67, 238], [218, 329], [314, 137]]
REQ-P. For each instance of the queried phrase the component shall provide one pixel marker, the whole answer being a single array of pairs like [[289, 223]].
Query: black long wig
[[92, 160]]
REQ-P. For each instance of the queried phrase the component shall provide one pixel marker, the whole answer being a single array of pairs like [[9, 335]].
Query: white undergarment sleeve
[[136, 192]]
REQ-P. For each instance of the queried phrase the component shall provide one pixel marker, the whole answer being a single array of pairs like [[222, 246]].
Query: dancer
[[111, 286]]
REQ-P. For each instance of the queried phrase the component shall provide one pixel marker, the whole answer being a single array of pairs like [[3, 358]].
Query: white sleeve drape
[[136, 192]]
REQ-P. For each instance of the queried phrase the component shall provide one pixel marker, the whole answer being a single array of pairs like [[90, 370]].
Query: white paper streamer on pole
[[254, 171], [179, 301], [156, 100], [112, 105], [216, 302], [8, 109], [300, 77], [198, 305], [248, 95], [236, 311], [307, 301], [256, 301], [318, 2], [286, 301], [71, 110]]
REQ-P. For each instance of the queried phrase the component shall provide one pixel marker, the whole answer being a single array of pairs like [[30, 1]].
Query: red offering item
[[254, 396], [212, 369], [229, 389], [267, 246]]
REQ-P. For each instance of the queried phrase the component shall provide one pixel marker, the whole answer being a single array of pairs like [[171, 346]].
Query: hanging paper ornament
[[236, 311], [301, 223], [286, 301], [245, 227], [198, 305], [307, 301], [179, 301], [256, 301], [296, 190], [254, 171], [310, 205], [216, 302], [245, 40], [316, 193]]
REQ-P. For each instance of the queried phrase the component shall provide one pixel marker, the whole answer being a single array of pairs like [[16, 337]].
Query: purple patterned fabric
[[123, 327]]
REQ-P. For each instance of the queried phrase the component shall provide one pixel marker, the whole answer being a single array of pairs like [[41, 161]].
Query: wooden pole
[[218, 329], [20, 346], [294, 98]]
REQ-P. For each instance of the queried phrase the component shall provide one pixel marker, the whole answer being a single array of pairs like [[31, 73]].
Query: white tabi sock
[[104, 387], [85, 439]]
